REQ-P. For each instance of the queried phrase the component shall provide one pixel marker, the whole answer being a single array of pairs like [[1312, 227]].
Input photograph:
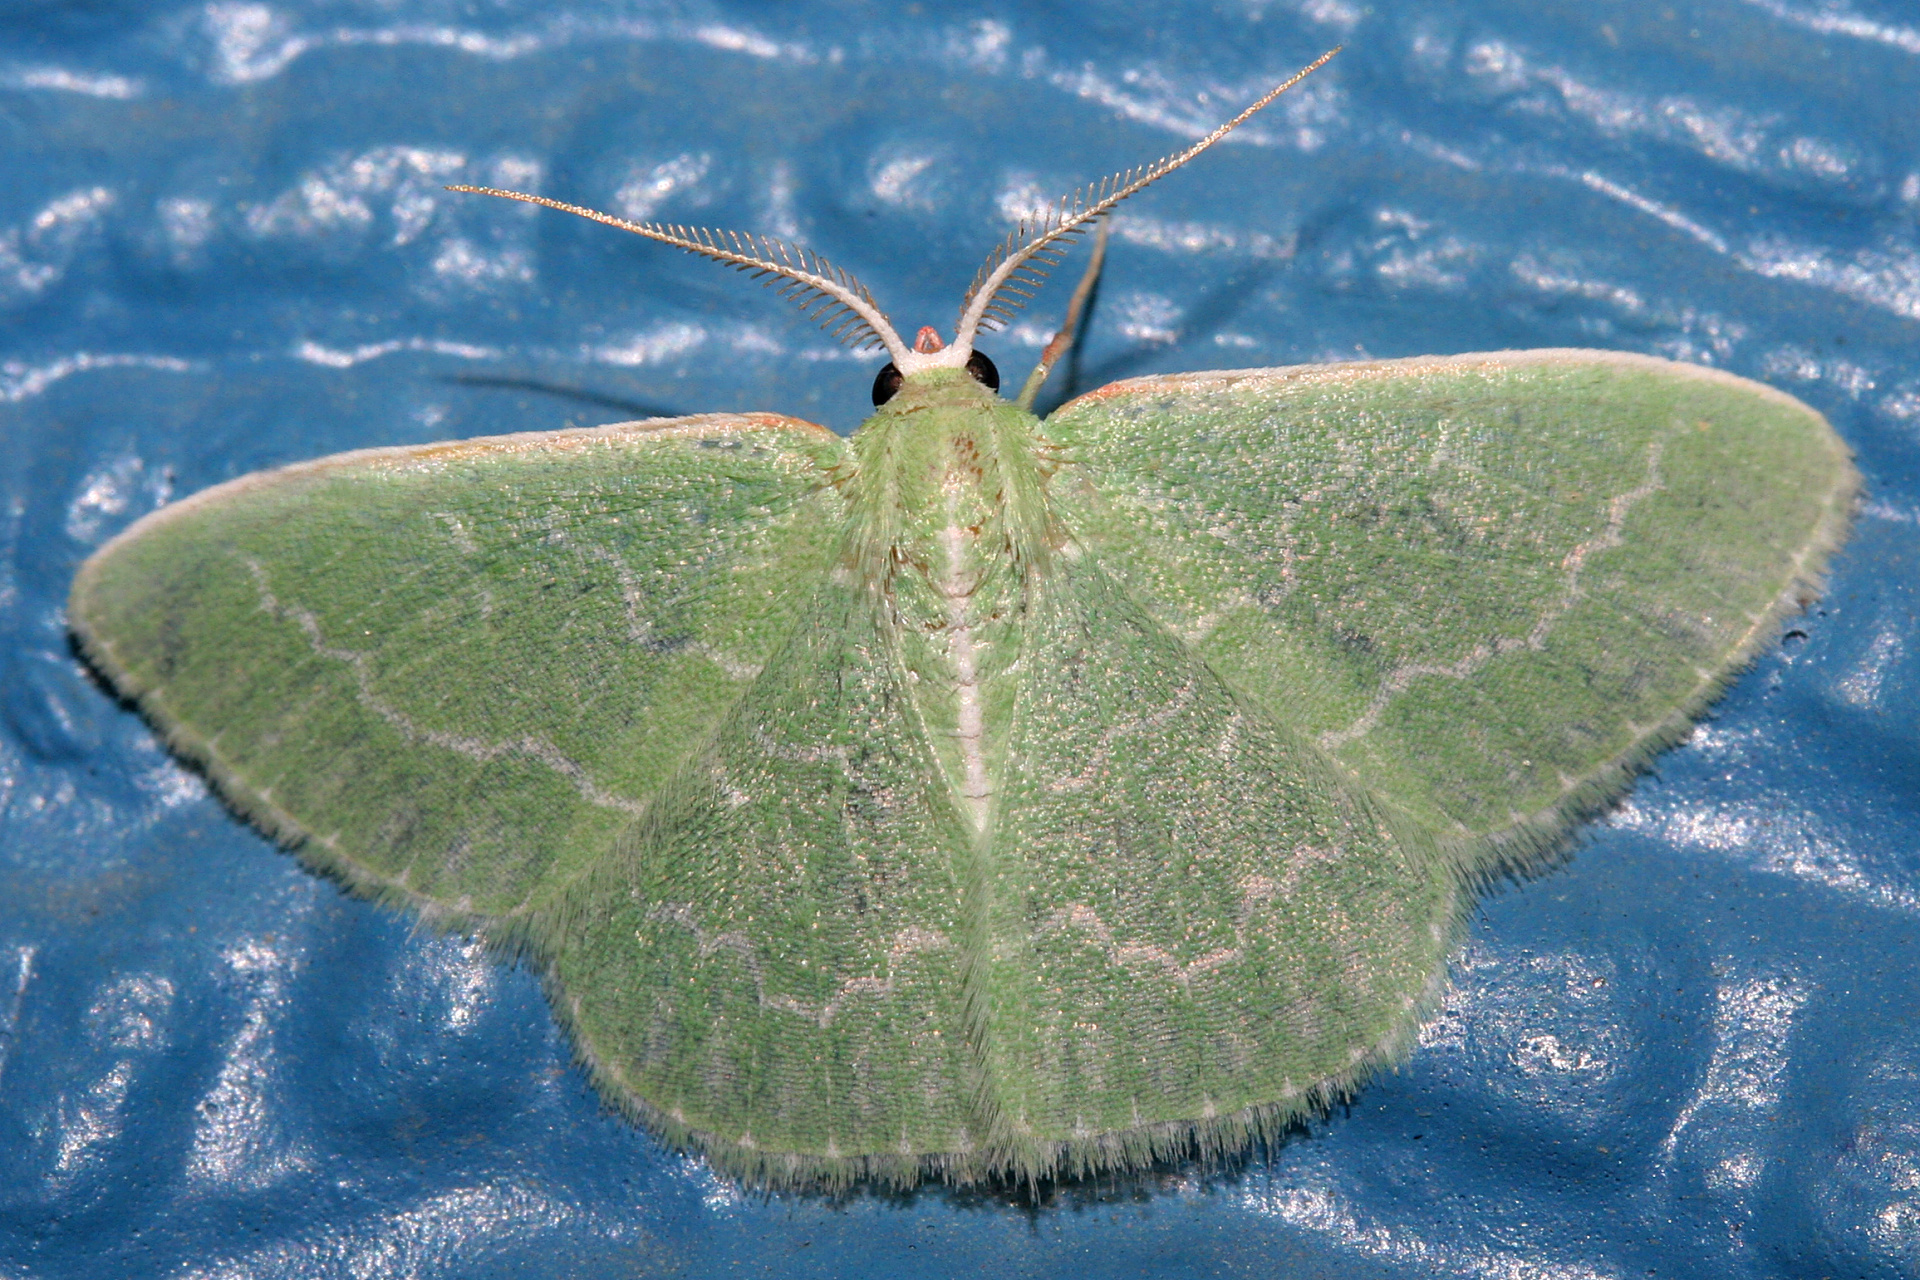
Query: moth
[[979, 796]]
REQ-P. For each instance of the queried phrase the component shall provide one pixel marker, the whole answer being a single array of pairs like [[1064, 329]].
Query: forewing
[[456, 672], [1490, 584], [1198, 928], [773, 965]]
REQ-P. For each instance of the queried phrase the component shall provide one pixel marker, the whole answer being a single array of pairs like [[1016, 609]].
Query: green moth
[[978, 796]]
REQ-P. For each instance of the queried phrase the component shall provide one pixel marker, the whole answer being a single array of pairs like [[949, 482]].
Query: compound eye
[[982, 370], [886, 383]]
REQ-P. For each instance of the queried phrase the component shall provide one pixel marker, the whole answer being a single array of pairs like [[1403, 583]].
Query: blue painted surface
[[223, 246]]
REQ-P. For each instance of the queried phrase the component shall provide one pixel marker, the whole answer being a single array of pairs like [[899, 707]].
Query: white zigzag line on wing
[[639, 629], [473, 748], [1401, 677], [1081, 916], [1255, 891], [1104, 752], [905, 942], [801, 755]]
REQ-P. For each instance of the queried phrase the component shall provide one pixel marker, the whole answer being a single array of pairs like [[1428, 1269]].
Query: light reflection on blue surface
[[225, 246]]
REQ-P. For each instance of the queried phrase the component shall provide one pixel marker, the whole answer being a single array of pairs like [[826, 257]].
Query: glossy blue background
[[223, 246]]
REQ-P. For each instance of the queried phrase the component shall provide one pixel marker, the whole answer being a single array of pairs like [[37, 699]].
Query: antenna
[[839, 303], [1007, 279]]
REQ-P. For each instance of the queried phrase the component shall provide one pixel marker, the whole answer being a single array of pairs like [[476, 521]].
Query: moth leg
[[1062, 342]]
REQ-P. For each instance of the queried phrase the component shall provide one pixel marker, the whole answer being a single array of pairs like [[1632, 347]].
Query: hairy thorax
[[951, 529]]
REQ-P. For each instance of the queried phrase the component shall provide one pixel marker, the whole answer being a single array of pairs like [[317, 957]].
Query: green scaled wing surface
[[773, 967], [1198, 927], [1489, 584], [456, 673]]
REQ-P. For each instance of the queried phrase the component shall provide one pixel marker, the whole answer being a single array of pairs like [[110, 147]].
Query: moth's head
[[930, 352]]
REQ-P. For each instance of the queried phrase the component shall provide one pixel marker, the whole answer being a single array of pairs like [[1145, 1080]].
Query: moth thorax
[[959, 608]]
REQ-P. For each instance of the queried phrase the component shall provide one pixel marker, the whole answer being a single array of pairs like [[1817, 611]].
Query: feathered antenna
[[1009, 275], [839, 303]]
